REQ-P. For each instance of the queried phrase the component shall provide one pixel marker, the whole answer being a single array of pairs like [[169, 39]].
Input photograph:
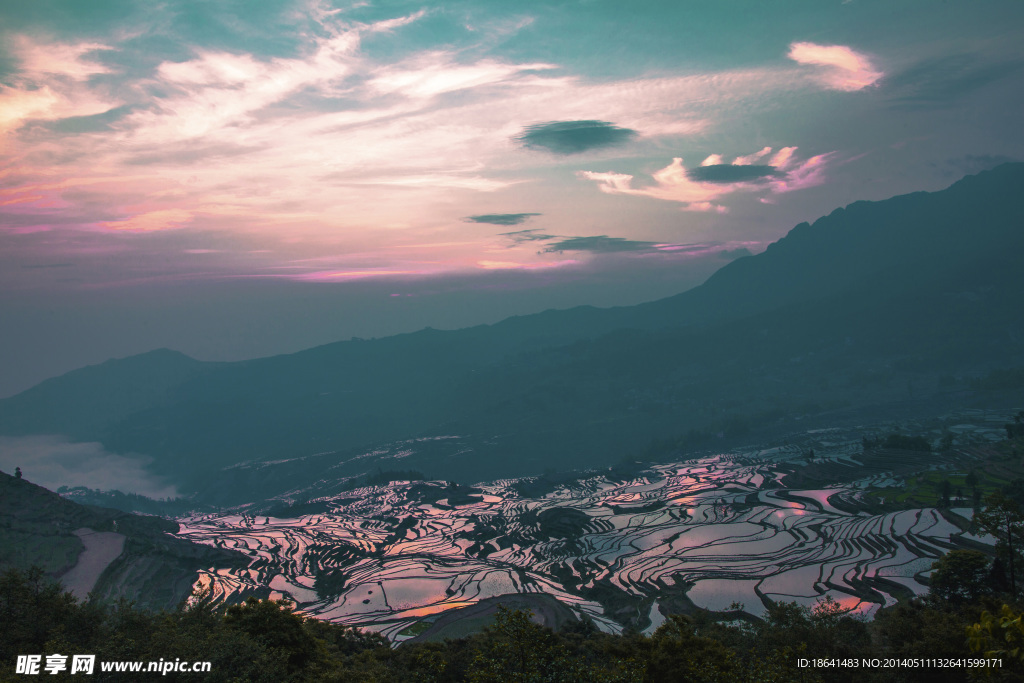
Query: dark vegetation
[[973, 611], [264, 640], [130, 502], [978, 472], [898, 442]]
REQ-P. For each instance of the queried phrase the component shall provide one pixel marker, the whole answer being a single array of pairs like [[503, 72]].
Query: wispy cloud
[[599, 244], [842, 68], [603, 245], [747, 160], [699, 188], [325, 148], [487, 264], [153, 220], [342, 275], [435, 73], [67, 60], [50, 83]]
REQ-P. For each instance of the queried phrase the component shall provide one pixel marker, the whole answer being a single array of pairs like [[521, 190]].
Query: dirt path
[[101, 548]]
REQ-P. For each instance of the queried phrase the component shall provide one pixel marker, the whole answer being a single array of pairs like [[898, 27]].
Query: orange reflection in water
[[436, 609]]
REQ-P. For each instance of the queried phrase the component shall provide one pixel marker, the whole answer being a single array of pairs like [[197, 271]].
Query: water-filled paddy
[[723, 528]]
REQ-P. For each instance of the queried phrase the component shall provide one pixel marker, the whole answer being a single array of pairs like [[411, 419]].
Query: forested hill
[[154, 569]]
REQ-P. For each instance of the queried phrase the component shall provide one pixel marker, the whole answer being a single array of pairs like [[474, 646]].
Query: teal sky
[[234, 179]]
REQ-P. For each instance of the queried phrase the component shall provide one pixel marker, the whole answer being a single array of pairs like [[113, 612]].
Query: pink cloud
[[29, 229], [433, 74], [25, 199], [844, 69], [806, 174], [752, 158], [329, 152], [782, 158], [707, 207], [164, 219], [673, 184], [220, 91], [57, 59], [343, 275], [513, 265], [50, 83]]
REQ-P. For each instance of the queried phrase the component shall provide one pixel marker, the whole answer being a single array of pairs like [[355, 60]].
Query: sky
[[234, 179]]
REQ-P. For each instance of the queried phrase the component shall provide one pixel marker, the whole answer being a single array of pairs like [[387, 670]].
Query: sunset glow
[[324, 142]]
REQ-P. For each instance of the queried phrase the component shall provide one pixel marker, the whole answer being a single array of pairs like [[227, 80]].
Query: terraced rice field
[[723, 529]]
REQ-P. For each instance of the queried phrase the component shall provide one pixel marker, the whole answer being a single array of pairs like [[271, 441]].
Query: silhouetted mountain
[[897, 301], [75, 403]]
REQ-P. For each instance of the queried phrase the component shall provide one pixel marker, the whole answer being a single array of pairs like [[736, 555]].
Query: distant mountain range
[[912, 303]]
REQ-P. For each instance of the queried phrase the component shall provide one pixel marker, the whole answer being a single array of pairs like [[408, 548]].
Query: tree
[[677, 653], [960, 576], [31, 608], [1003, 518], [925, 628], [972, 480], [999, 637], [907, 443], [946, 443], [273, 623], [516, 650], [1015, 428], [1015, 492]]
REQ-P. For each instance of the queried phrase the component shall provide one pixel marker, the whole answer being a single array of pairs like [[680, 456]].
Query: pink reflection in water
[[819, 496]]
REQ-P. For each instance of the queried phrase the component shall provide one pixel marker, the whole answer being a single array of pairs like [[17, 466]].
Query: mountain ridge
[[889, 260]]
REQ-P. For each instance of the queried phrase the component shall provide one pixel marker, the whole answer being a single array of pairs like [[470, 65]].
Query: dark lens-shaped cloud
[[520, 236], [730, 173], [501, 218], [599, 244], [573, 137]]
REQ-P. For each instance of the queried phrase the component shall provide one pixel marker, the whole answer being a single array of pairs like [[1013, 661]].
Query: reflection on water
[[724, 526]]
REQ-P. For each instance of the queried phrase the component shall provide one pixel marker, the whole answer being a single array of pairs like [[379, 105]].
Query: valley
[[801, 521]]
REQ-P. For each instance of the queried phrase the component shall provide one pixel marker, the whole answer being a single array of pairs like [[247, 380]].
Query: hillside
[[155, 569], [901, 302]]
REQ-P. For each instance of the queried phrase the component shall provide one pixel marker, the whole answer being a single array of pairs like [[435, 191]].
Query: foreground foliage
[[264, 640]]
